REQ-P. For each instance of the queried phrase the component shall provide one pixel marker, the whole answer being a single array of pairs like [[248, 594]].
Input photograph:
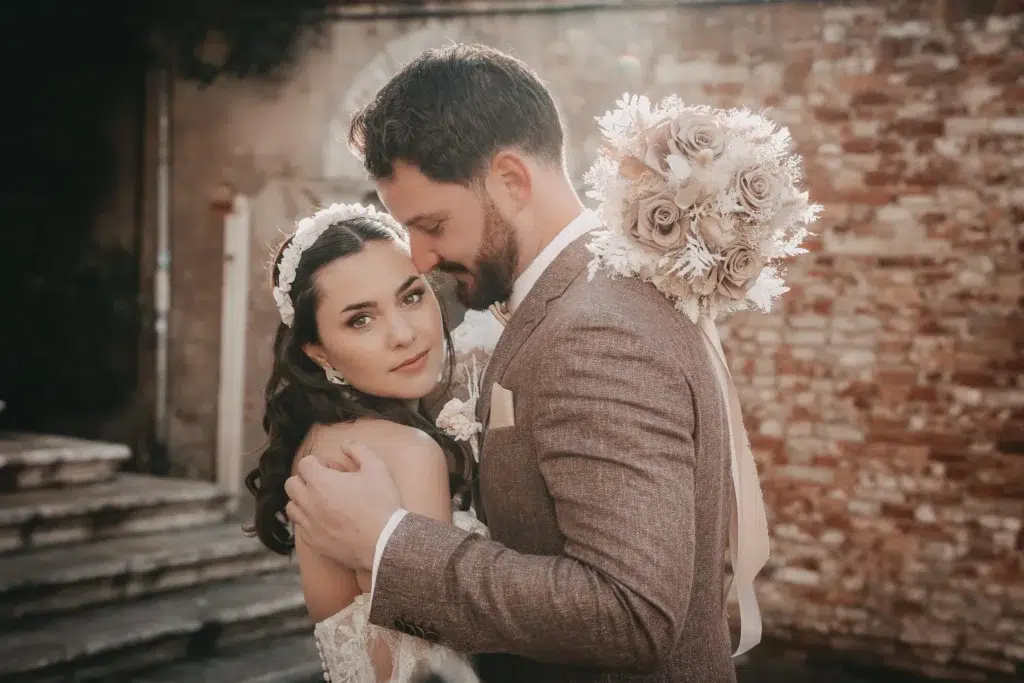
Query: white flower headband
[[306, 234]]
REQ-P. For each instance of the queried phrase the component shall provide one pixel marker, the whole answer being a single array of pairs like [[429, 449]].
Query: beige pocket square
[[502, 408]]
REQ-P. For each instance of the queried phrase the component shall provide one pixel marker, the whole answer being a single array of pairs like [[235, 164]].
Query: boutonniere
[[457, 418]]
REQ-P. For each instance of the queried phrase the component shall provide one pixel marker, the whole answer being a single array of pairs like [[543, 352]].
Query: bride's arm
[[420, 471], [327, 586]]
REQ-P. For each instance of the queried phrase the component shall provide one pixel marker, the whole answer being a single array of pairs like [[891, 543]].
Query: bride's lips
[[414, 364]]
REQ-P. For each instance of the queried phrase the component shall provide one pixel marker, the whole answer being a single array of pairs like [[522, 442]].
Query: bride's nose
[[401, 332]]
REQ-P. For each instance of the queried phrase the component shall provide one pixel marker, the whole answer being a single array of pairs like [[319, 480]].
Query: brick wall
[[884, 399]]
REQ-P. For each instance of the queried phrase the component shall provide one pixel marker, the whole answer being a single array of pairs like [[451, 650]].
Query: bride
[[362, 340]]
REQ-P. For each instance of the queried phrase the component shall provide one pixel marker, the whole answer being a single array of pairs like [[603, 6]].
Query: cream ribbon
[[748, 525]]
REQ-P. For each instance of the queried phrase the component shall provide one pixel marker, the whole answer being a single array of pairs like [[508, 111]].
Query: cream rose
[[656, 157], [757, 190], [737, 272], [718, 232], [696, 139], [660, 223]]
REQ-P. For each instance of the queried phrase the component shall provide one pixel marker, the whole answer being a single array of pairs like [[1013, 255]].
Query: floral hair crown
[[701, 202], [306, 234]]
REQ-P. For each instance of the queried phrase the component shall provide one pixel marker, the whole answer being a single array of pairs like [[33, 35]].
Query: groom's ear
[[510, 181]]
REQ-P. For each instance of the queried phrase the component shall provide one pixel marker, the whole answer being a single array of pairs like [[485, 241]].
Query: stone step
[[106, 643], [29, 461], [48, 580], [127, 504], [292, 659]]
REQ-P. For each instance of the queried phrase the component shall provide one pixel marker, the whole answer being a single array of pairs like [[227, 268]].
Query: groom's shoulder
[[630, 301]]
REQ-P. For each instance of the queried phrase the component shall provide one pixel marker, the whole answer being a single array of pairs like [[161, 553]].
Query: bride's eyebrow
[[412, 279]]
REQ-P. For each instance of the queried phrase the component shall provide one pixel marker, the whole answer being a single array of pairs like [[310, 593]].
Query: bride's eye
[[413, 297], [359, 321]]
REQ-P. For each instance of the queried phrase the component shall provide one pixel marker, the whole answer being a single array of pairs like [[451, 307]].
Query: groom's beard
[[494, 271]]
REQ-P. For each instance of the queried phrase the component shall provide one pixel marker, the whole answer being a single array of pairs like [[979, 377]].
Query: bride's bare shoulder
[[393, 442], [416, 462]]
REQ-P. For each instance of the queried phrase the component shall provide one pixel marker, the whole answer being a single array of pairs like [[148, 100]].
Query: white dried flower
[[306, 234]]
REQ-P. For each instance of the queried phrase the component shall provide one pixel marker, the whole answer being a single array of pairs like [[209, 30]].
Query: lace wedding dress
[[353, 650]]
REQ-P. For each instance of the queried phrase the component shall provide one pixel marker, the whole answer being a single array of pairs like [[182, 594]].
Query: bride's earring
[[333, 376]]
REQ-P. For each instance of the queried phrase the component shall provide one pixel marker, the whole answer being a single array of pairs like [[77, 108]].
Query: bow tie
[[500, 311]]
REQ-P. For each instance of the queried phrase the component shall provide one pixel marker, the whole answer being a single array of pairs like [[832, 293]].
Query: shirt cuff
[[382, 541]]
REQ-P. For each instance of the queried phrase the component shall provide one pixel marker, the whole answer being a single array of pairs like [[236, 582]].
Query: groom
[[604, 472]]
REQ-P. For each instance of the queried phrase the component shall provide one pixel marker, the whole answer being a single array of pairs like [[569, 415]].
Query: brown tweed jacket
[[607, 501]]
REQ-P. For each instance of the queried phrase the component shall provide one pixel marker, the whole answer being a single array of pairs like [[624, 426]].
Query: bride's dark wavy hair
[[298, 394]]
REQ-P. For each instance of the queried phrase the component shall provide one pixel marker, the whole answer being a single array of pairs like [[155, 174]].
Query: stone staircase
[[115, 577]]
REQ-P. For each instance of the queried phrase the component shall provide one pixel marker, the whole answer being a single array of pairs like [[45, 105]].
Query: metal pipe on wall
[[159, 458]]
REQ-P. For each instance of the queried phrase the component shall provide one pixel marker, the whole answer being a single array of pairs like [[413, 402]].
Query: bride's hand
[[342, 513]]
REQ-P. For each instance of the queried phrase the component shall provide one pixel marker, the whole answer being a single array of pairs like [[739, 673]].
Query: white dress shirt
[[584, 223]]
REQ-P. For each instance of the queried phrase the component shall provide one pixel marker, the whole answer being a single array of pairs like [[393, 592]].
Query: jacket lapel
[[551, 284]]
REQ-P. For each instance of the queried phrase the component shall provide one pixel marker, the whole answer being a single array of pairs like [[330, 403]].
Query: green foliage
[[235, 38]]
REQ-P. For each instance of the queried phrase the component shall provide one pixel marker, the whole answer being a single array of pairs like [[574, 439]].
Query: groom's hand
[[340, 514]]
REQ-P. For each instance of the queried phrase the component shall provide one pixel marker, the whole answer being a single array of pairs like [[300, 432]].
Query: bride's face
[[379, 323]]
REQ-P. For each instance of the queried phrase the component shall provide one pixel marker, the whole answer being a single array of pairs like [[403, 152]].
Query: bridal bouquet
[[704, 203]]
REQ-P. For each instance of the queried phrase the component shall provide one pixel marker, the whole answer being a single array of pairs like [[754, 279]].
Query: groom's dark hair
[[451, 109]]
